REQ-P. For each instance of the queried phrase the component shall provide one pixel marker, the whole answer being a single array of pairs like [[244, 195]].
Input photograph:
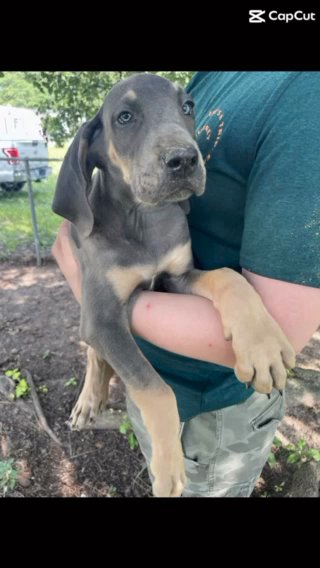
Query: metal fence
[[28, 170]]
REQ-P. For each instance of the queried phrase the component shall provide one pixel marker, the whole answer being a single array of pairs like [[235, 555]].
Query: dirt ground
[[39, 322]]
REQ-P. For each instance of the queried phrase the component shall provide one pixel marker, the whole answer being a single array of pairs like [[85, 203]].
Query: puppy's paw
[[169, 473], [263, 355], [87, 408]]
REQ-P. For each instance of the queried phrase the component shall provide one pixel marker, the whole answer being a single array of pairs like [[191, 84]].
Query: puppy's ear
[[74, 181]]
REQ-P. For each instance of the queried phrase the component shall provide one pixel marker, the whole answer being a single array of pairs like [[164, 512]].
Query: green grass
[[15, 215]]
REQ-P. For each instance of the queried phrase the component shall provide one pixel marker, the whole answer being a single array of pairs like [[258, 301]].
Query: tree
[[15, 90], [72, 97]]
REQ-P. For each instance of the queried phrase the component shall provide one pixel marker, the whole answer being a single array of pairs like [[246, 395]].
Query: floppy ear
[[74, 181]]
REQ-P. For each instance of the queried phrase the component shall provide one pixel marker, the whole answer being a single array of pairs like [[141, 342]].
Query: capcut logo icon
[[255, 16]]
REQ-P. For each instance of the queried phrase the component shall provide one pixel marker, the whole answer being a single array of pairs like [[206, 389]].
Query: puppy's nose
[[181, 160]]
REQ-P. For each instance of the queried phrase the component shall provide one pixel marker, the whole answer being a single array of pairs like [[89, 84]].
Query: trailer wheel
[[13, 186]]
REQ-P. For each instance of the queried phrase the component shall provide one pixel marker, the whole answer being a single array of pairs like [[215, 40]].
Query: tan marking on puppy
[[177, 86], [94, 395], [159, 412], [125, 280], [120, 163], [176, 260], [131, 95]]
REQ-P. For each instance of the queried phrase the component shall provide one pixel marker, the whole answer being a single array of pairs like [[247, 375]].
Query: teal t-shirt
[[259, 134]]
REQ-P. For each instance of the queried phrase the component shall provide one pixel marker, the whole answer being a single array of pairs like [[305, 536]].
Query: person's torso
[[231, 109]]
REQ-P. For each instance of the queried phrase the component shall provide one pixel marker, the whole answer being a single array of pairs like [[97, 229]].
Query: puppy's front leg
[[262, 351], [105, 327]]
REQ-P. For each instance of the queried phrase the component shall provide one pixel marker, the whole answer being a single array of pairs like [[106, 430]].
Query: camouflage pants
[[225, 450]]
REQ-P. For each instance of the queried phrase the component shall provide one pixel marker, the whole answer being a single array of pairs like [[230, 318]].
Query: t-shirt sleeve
[[281, 237]]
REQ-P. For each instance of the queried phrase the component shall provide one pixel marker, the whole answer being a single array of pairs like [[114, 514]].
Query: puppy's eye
[[124, 117], [187, 108]]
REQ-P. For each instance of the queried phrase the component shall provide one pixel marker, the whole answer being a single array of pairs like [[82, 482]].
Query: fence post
[[33, 213]]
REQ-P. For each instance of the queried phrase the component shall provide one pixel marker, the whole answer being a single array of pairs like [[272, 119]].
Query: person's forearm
[[68, 264], [185, 324], [189, 325]]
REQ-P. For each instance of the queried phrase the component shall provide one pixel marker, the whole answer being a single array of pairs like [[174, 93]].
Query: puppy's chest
[[145, 271], [131, 252]]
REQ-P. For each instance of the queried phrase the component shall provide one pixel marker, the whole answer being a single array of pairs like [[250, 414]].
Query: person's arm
[[68, 264], [190, 325], [185, 324]]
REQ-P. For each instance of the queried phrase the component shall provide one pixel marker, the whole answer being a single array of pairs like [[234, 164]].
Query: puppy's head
[[149, 134], [142, 136]]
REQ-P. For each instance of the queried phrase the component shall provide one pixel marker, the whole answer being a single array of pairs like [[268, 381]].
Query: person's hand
[[67, 262]]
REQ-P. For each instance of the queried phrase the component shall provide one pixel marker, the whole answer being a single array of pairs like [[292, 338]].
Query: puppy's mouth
[[179, 195], [184, 189], [174, 192], [155, 188]]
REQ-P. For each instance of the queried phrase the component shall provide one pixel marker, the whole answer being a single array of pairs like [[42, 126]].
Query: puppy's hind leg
[[94, 395]]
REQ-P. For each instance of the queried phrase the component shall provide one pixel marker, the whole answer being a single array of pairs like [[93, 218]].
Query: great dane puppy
[[129, 231]]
